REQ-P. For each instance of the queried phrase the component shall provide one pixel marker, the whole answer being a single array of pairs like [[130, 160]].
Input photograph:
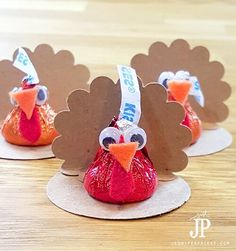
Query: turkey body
[[191, 120], [107, 181], [37, 131]]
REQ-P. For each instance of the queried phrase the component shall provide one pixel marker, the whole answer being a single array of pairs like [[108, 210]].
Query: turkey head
[[56, 69], [179, 86]]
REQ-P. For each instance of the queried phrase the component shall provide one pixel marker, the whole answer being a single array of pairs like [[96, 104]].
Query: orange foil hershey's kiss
[[12, 134]]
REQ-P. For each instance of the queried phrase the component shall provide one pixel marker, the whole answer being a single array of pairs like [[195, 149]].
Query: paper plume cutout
[[166, 137], [89, 113]]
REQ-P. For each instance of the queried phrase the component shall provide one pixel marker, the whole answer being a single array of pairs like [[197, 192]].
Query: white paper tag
[[130, 108], [23, 63], [196, 91]]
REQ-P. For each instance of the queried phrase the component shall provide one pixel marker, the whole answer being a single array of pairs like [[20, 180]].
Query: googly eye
[[182, 75], [42, 96], [13, 102], [136, 135], [164, 77], [109, 135]]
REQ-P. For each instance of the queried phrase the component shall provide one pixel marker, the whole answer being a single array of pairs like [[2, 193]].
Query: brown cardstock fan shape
[[57, 71], [179, 56], [90, 112]]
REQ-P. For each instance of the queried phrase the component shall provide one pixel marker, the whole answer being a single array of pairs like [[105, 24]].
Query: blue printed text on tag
[[128, 79], [21, 58], [129, 112]]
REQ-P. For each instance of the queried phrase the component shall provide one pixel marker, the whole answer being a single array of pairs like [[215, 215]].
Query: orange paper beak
[[26, 100], [179, 89], [124, 153]]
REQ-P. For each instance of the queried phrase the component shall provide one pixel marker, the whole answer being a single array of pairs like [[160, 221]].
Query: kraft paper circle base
[[211, 141], [10, 151], [68, 193]]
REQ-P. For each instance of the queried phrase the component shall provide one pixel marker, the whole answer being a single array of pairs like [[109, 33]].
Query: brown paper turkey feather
[[90, 112], [179, 56], [166, 137], [57, 71]]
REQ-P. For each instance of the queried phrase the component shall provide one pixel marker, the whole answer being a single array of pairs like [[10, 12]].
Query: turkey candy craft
[[28, 130], [195, 81], [122, 171], [115, 161], [179, 86], [30, 123]]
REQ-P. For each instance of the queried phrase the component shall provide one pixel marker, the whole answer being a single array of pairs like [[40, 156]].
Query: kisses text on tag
[[128, 79], [129, 112], [21, 58]]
